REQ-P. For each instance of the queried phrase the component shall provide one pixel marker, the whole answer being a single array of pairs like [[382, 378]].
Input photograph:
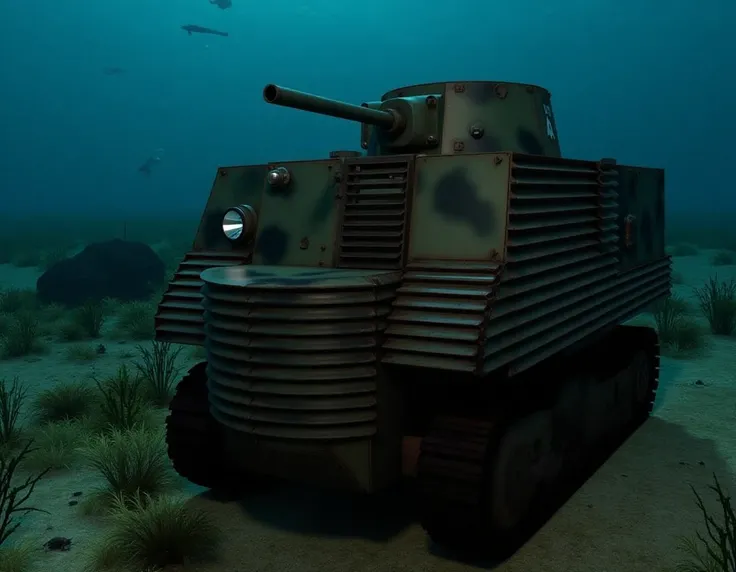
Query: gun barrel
[[286, 97]]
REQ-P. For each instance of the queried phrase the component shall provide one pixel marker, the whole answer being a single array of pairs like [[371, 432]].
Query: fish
[[194, 29], [222, 4], [154, 159]]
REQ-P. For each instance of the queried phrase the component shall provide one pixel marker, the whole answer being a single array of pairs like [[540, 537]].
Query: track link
[[193, 437], [459, 456], [451, 471]]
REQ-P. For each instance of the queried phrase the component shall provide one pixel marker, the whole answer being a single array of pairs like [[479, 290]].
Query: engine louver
[[373, 229], [180, 315]]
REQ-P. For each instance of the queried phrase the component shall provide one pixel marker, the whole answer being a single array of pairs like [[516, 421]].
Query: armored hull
[[450, 316]]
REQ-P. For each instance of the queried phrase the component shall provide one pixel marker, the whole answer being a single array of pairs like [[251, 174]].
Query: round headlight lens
[[233, 224], [239, 223]]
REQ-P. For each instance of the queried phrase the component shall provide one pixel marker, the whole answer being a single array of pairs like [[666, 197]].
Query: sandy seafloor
[[626, 518]]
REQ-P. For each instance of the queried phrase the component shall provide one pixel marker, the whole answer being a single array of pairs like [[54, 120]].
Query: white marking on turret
[[548, 118]]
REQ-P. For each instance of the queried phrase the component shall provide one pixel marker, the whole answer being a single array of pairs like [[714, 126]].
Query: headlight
[[239, 223]]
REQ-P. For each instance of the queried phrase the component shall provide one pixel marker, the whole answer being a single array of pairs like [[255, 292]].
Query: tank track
[[193, 437], [457, 456]]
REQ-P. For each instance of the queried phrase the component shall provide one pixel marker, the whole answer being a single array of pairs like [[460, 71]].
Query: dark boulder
[[115, 269]]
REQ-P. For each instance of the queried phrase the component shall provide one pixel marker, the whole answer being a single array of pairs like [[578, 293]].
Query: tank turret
[[443, 118]]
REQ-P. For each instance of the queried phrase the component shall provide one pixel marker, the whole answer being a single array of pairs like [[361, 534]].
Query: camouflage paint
[[563, 280], [297, 221], [511, 117], [474, 117], [552, 279], [295, 279], [449, 118], [508, 254], [233, 186], [459, 207]]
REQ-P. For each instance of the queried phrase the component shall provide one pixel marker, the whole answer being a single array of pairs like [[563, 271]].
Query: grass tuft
[[56, 445], [713, 550], [15, 300], [723, 258], [90, 317], [71, 331], [16, 558], [678, 332], [135, 321], [12, 397], [157, 367], [151, 534], [21, 336], [123, 404], [718, 304], [65, 401], [130, 461]]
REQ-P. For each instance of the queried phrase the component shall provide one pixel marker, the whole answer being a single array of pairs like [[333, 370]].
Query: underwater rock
[[117, 268], [58, 544]]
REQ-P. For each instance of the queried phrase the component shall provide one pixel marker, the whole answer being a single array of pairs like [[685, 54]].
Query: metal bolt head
[[431, 140], [476, 131], [431, 101], [458, 146], [278, 177]]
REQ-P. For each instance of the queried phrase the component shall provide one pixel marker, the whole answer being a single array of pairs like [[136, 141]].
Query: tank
[[445, 308]]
